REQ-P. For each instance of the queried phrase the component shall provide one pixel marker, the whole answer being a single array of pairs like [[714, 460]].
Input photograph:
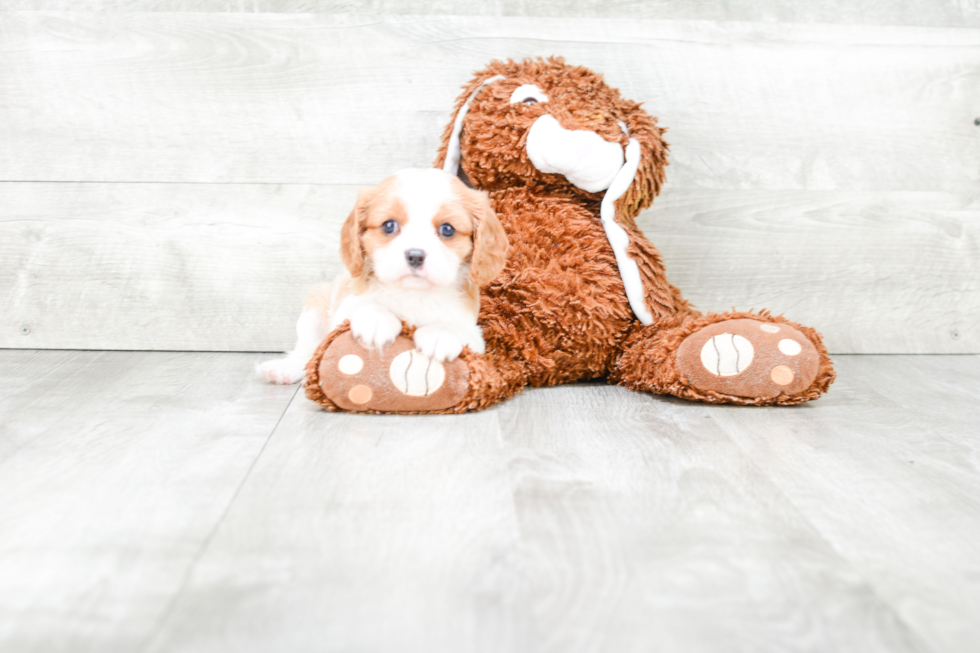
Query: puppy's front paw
[[438, 343], [284, 371], [375, 327]]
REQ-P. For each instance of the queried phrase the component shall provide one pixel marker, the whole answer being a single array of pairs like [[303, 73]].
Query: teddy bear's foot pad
[[749, 358], [397, 379]]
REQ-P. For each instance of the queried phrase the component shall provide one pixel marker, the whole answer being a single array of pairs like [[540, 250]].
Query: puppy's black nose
[[415, 257]]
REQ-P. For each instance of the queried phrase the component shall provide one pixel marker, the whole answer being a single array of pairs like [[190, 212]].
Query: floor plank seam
[[920, 639], [161, 621]]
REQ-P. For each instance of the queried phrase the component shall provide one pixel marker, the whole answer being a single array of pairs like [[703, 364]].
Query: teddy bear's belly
[[560, 301]]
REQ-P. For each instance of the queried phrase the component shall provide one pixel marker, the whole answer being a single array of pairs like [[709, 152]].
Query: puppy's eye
[[389, 227], [446, 230], [529, 100]]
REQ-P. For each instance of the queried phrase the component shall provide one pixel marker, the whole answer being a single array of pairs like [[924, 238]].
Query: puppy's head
[[421, 229]]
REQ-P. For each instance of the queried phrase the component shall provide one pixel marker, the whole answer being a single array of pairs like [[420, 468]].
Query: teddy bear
[[568, 165]]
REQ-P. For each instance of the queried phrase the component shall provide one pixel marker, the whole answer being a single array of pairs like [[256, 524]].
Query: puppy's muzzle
[[415, 258]]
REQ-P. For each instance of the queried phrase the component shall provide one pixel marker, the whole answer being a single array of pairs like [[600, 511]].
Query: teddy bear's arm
[[659, 296]]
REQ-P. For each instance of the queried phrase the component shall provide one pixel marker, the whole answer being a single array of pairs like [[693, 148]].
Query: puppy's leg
[[311, 329], [374, 326], [444, 342]]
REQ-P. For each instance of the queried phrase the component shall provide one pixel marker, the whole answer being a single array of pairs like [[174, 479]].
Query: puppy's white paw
[[474, 340], [375, 327], [438, 343], [284, 371]]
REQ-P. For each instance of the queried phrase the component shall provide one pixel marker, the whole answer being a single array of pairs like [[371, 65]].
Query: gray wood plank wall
[[173, 174]]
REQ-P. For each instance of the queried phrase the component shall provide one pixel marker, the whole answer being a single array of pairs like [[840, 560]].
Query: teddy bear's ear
[[481, 78], [650, 174], [489, 238]]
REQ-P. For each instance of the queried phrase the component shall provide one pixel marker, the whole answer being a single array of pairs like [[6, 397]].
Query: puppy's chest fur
[[422, 307], [452, 305]]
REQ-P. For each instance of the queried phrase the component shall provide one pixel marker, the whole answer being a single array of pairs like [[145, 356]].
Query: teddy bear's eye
[[528, 94], [389, 227], [446, 230]]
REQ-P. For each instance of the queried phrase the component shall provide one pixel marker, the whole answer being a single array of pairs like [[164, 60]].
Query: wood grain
[[642, 521], [314, 98], [363, 534], [889, 473], [932, 13], [587, 517], [156, 502], [164, 266], [114, 470], [874, 272], [226, 267], [825, 171]]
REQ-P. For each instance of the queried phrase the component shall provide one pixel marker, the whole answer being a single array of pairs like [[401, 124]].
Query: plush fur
[[558, 312]]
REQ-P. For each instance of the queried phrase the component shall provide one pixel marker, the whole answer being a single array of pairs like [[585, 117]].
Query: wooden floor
[[170, 502]]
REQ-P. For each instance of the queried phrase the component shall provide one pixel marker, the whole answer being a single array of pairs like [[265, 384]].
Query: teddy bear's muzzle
[[585, 158]]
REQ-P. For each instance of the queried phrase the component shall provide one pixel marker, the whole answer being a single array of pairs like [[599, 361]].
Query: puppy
[[417, 247]]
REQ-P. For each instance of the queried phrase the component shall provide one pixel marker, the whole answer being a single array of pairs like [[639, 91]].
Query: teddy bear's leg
[[737, 358], [344, 376]]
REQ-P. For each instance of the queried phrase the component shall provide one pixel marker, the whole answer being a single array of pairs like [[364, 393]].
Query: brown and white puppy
[[417, 247]]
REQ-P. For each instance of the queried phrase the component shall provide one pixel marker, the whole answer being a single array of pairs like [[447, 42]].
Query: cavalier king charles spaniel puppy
[[417, 247]]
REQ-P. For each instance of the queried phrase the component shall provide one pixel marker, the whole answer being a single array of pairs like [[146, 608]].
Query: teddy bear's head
[[560, 128]]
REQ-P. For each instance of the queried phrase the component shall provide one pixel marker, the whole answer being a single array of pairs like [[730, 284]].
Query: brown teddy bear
[[568, 165]]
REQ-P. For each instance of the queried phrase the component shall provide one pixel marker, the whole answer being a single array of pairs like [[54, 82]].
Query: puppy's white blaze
[[424, 191], [585, 158]]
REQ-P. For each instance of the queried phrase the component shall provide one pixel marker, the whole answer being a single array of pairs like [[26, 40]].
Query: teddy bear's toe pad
[[397, 379], [748, 358]]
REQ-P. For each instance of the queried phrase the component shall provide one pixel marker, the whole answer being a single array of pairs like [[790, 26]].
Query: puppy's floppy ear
[[489, 239], [351, 251]]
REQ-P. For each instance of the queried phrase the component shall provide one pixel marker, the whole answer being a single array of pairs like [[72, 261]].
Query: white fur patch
[[629, 271], [586, 159], [424, 191], [438, 342], [374, 326]]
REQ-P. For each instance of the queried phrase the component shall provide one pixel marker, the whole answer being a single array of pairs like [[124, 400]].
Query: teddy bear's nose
[[415, 257], [584, 157]]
